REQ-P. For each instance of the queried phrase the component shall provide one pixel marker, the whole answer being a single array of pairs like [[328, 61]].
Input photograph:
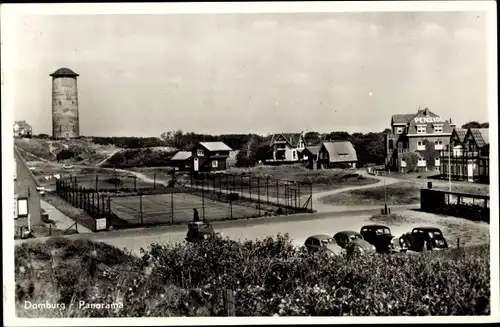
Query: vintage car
[[320, 243], [381, 237], [200, 231], [423, 239], [351, 240]]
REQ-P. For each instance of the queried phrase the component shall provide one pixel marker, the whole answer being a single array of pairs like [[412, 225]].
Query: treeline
[[130, 142], [184, 141], [475, 124]]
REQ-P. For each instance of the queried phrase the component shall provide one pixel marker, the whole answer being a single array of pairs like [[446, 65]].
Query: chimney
[[452, 125]]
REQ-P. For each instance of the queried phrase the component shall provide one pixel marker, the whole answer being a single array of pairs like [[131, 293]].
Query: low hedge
[[268, 277]]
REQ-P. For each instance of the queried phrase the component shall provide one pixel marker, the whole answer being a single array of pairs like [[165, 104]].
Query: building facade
[[467, 156], [27, 207], [423, 134], [286, 148], [182, 160], [337, 154], [65, 116], [22, 129], [210, 156], [311, 153]]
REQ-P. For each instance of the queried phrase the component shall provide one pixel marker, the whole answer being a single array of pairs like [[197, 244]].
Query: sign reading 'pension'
[[424, 120]]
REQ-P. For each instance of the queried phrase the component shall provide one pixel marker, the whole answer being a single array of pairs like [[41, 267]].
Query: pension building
[[424, 134]]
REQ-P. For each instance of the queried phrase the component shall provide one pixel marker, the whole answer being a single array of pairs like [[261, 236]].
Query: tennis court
[[177, 208]]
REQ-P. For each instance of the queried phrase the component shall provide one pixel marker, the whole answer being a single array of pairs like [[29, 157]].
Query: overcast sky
[[141, 75]]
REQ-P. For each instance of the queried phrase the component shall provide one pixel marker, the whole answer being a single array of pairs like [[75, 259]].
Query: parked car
[[351, 240], [320, 243], [423, 239], [381, 237], [200, 231]]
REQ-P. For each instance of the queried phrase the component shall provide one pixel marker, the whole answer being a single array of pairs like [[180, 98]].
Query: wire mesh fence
[[215, 197], [282, 193]]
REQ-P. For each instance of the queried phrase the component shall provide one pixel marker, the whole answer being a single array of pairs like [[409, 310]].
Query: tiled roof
[[182, 155], [292, 138], [64, 72], [461, 132], [402, 118], [481, 135], [215, 146], [336, 149]]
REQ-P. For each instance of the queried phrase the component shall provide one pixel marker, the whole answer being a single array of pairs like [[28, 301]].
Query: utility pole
[[385, 197]]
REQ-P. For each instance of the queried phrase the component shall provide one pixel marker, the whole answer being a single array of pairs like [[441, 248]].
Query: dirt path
[[326, 207], [99, 164]]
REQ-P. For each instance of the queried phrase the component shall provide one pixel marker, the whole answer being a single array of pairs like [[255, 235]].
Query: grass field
[[404, 192], [322, 180], [157, 209]]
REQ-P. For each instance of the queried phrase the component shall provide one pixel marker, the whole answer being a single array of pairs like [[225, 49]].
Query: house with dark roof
[[337, 154], [286, 148], [182, 160], [467, 156], [416, 133], [22, 129], [27, 206], [210, 156]]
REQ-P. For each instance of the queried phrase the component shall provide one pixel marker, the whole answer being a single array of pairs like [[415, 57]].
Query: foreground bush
[[269, 277]]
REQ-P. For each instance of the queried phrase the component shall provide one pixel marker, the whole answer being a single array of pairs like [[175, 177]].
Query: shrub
[[269, 276]]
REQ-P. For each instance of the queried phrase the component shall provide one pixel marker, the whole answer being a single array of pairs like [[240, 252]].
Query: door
[[470, 172], [196, 163]]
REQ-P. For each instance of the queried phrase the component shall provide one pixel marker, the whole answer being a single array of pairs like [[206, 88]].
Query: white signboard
[[22, 207], [424, 120], [100, 224]]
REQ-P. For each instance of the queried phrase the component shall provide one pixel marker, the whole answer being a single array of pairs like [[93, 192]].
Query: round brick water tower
[[65, 120]]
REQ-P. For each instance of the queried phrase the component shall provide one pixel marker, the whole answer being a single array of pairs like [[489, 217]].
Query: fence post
[[229, 302], [154, 180], [278, 192], [103, 212], [250, 187], [258, 193], [140, 206], [96, 182], [202, 201], [80, 197], [458, 242], [172, 205], [135, 183], [267, 189], [234, 183], [98, 205], [298, 186], [311, 194]]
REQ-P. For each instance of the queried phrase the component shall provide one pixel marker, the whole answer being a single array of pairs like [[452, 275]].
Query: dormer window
[[421, 129], [438, 128], [399, 130], [200, 153]]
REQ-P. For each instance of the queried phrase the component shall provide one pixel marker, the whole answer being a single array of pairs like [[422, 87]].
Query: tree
[[411, 159], [242, 160], [65, 154], [475, 124], [430, 153], [312, 138]]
